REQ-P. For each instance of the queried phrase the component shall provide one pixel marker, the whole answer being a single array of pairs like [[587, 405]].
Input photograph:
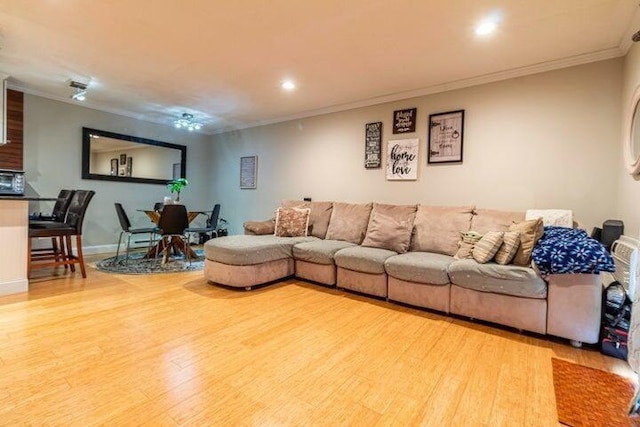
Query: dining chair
[[123, 218], [211, 224], [72, 226], [58, 214], [173, 222]]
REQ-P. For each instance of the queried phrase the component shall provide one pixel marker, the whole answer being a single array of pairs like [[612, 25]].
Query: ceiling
[[224, 61]]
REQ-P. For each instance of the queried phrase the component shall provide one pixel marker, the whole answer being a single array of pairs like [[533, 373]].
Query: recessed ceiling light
[[288, 85], [486, 27]]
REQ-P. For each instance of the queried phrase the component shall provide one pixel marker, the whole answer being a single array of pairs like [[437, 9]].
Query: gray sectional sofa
[[405, 253]]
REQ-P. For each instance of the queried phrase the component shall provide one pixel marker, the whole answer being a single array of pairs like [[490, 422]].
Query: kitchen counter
[[14, 233]]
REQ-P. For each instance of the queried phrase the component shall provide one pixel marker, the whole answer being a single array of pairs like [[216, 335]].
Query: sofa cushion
[[259, 228], [363, 259], [530, 232], [319, 217], [494, 220], [292, 222], [485, 249], [511, 241], [390, 227], [250, 250], [319, 251], [437, 228], [349, 222], [499, 279], [419, 267]]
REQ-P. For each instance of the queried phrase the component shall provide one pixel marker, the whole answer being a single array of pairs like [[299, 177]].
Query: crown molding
[[445, 87]]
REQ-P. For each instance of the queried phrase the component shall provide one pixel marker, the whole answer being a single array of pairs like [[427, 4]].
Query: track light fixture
[[187, 122], [79, 90]]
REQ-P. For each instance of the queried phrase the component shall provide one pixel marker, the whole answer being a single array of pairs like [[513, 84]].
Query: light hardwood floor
[[174, 350]]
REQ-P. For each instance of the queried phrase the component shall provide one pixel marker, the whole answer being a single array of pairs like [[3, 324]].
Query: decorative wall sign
[[373, 145], [248, 172], [129, 166], [404, 121], [114, 167], [445, 137], [123, 159], [402, 159]]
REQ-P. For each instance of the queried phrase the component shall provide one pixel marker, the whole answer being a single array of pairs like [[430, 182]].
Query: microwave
[[11, 183]]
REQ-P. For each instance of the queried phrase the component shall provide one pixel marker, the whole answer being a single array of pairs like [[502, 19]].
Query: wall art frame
[[402, 159], [373, 145], [249, 172], [404, 121], [114, 167], [446, 137]]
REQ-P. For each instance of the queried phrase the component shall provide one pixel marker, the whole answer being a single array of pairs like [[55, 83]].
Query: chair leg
[[80, 257], [126, 257], [62, 253], [54, 247], [70, 255], [115, 260]]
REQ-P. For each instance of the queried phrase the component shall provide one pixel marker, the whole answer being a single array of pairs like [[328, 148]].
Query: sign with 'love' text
[[402, 159]]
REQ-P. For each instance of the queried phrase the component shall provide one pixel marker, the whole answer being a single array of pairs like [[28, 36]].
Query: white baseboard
[[14, 287]]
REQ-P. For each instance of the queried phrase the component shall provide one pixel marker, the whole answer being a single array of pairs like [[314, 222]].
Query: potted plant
[[176, 186]]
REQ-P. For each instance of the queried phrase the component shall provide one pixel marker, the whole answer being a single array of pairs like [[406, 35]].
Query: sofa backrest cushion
[[390, 227], [437, 228], [485, 220], [319, 217], [349, 222]]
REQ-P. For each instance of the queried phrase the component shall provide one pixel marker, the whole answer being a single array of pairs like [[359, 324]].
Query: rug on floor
[[591, 397], [138, 265]]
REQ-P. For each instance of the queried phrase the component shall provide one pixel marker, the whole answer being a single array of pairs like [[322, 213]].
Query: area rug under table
[[591, 397], [138, 265]]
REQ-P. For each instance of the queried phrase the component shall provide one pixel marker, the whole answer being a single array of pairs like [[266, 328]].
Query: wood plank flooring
[[172, 350]]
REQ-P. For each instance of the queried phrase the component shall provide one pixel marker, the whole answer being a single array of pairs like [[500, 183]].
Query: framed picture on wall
[[129, 166], [402, 159], [248, 172], [373, 145], [123, 159], [446, 131], [114, 167], [404, 121]]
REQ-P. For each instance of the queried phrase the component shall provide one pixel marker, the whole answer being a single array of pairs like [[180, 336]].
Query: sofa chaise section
[[245, 261]]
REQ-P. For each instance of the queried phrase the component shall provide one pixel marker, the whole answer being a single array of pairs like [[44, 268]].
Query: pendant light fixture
[[187, 122]]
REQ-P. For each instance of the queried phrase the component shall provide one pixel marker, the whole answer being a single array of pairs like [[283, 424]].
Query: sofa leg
[[575, 343], [247, 288]]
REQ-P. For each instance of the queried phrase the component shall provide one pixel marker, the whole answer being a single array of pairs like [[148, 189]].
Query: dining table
[[174, 243]]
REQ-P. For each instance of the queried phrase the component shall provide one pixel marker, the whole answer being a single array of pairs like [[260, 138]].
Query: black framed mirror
[[109, 156]]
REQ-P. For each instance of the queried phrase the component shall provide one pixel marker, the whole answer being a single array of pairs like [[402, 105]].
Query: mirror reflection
[[635, 133], [115, 157]]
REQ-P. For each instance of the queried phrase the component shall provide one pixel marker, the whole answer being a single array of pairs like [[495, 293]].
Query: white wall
[[53, 159], [543, 141], [629, 186]]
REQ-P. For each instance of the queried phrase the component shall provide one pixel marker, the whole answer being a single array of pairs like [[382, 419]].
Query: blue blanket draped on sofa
[[567, 250]]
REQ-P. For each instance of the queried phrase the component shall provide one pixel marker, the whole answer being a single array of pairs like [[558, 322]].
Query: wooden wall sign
[[372, 145], [404, 121]]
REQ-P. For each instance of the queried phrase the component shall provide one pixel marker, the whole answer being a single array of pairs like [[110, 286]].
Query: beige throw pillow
[[530, 232], [511, 241], [485, 249], [291, 222], [349, 222], [386, 232], [259, 228], [466, 243]]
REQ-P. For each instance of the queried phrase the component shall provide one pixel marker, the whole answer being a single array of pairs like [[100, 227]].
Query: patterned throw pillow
[[486, 248], [509, 247], [465, 245], [292, 222]]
